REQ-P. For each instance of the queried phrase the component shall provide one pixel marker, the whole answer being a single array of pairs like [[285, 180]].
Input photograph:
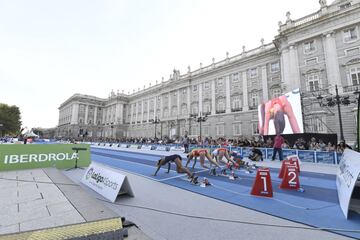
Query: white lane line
[[182, 175], [142, 164]]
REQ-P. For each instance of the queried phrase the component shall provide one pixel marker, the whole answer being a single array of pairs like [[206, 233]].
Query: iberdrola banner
[[28, 156]]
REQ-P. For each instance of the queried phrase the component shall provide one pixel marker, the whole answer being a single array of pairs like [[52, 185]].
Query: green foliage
[[10, 119]]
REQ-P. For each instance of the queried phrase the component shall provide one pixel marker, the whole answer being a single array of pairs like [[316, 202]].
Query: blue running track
[[318, 206]]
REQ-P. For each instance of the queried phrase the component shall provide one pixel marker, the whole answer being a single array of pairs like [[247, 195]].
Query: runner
[[202, 153], [219, 155], [247, 163], [179, 167]]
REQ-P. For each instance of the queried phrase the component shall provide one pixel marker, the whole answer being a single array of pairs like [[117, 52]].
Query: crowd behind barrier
[[316, 151], [326, 157]]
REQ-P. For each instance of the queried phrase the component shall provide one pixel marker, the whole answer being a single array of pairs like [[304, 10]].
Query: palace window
[[313, 82], [253, 72], [220, 130], [206, 85], [236, 129], [221, 105], [255, 128], [274, 67], [220, 82], [309, 47], [316, 124], [355, 75], [254, 99], [350, 35], [235, 77], [236, 102]]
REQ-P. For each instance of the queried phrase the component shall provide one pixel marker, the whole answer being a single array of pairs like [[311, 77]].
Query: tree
[[10, 119]]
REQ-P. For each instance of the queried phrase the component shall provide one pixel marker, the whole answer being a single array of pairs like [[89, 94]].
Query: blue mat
[[318, 206]]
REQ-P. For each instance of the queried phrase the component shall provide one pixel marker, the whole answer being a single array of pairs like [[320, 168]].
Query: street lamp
[[358, 120], [201, 118], [337, 100], [155, 121]]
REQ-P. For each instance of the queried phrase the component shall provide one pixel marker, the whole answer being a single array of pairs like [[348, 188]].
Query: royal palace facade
[[316, 53]]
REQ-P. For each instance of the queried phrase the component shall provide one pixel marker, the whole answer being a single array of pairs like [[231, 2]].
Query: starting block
[[290, 178], [262, 185], [283, 167], [205, 183]]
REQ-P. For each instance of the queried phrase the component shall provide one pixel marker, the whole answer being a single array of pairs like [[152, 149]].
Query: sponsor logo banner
[[106, 181], [14, 157], [346, 178]]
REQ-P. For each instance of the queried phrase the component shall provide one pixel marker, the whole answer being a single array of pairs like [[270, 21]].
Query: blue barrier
[[304, 155]]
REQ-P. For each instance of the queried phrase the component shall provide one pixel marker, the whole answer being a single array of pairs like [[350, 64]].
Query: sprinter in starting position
[[179, 167]]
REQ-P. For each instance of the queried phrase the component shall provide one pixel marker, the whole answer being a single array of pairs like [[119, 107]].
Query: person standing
[[278, 142], [186, 143]]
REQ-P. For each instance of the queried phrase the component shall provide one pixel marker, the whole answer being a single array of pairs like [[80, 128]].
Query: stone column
[[75, 113], [169, 104], [188, 100], [264, 83], [161, 107], [131, 113], [178, 103], [142, 111], [86, 114], [148, 110], [136, 113], [227, 89], [290, 68], [95, 114], [245, 92], [200, 98], [213, 98], [121, 113], [155, 106], [332, 63]]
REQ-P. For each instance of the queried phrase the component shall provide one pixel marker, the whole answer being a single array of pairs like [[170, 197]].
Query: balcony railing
[[239, 109], [351, 88], [220, 111]]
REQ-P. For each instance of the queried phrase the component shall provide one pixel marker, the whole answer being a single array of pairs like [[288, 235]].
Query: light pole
[[337, 100], [358, 120], [201, 118], [155, 121]]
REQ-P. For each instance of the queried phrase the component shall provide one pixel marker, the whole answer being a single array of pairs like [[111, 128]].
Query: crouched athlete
[[179, 167]]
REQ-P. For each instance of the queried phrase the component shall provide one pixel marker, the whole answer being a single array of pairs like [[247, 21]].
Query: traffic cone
[[291, 178], [262, 185]]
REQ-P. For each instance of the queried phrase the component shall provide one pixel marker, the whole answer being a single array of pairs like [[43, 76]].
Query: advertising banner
[[177, 148], [29, 156], [106, 181], [281, 115], [346, 178], [146, 147]]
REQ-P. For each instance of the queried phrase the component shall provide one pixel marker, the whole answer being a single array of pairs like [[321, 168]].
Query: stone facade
[[314, 53]]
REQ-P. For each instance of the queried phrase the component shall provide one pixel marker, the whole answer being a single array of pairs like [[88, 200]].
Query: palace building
[[315, 53]]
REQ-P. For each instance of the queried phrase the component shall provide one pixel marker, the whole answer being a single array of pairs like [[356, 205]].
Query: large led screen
[[281, 115]]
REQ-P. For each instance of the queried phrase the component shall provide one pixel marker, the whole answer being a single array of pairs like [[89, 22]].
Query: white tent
[[31, 134]]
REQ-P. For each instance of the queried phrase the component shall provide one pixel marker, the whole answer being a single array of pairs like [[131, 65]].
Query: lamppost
[[155, 121], [201, 118], [337, 100], [358, 120]]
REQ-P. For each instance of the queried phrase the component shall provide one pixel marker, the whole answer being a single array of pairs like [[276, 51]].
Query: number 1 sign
[[262, 185]]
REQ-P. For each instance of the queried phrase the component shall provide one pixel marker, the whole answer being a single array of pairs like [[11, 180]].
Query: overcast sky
[[50, 50]]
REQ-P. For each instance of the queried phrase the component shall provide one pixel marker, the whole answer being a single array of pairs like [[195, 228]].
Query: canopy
[[31, 134]]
